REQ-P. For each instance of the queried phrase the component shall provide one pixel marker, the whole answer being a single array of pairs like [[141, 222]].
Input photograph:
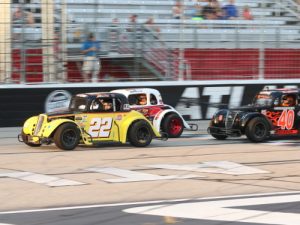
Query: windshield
[[263, 100], [78, 104], [137, 99]]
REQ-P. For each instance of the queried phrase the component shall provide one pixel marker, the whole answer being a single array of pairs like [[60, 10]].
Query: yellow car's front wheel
[[67, 136]]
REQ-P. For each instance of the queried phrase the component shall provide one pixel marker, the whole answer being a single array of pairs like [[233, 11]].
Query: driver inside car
[[288, 101], [106, 105], [142, 99]]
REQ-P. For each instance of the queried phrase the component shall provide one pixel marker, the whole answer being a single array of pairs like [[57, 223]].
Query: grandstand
[[266, 47]]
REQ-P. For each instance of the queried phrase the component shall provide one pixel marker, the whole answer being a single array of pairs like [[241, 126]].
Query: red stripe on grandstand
[[216, 64], [205, 64]]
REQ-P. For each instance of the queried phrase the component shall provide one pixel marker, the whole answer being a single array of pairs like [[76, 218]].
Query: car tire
[[258, 129], [25, 140], [67, 136], [172, 124], [219, 136], [140, 134]]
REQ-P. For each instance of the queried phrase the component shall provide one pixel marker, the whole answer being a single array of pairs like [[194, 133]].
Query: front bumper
[[34, 139], [224, 131]]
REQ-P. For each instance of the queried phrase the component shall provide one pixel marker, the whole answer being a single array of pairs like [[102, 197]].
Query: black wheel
[[25, 140], [258, 129], [219, 136], [67, 136], [140, 134], [172, 124]]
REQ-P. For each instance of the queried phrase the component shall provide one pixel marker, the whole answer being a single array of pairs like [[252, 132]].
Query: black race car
[[272, 113]]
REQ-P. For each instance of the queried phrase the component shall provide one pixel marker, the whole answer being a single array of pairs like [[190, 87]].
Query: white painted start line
[[125, 176], [220, 210], [133, 176], [220, 167], [223, 167], [51, 181]]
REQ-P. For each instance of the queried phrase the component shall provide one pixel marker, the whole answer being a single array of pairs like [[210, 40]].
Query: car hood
[[250, 108], [60, 113]]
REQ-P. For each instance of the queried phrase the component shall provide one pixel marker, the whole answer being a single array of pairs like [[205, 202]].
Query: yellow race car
[[90, 119]]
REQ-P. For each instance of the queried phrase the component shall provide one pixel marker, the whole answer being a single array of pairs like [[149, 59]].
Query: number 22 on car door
[[101, 127]]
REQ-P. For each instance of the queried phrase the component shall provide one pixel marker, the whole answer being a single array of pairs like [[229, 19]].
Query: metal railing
[[290, 6]]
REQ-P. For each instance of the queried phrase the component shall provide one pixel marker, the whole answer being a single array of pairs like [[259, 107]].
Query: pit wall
[[195, 100]]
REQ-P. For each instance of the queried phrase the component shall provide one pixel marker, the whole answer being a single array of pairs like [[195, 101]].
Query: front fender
[[50, 127], [131, 118], [159, 117], [29, 125], [249, 116]]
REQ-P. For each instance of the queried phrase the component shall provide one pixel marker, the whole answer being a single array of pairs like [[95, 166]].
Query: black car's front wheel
[[140, 134], [258, 129], [67, 136]]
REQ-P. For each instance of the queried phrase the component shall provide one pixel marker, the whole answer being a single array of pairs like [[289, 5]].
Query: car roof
[[99, 94], [93, 95], [129, 91], [280, 91]]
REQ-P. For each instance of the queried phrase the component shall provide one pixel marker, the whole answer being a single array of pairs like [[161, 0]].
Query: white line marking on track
[[223, 167], [51, 181], [133, 176], [283, 142], [147, 202], [227, 210]]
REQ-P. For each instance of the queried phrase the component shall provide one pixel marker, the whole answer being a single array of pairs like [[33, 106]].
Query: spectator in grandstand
[[221, 14], [21, 16], [196, 12], [151, 27], [132, 23], [214, 4], [209, 13], [114, 34], [134, 32], [231, 11], [177, 10], [247, 15], [91, 62]]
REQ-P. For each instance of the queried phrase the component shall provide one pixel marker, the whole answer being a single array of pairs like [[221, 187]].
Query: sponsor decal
[[84, 118], [126, 107], [103, 95], [286, 132], [119, 117], [284, 108], [81, 95], [57, 101]]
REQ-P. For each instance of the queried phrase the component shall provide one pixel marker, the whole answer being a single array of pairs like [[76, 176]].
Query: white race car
[[164, 117]]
